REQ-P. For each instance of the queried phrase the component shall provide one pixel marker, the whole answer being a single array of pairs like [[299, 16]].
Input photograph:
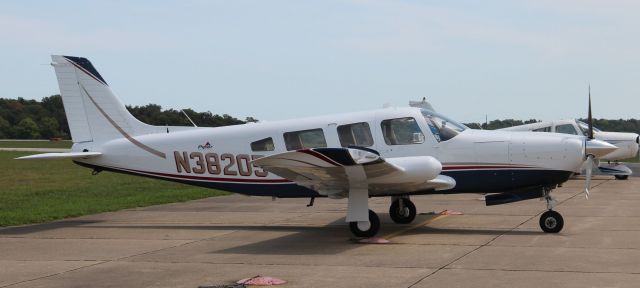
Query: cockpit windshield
[[585, 128], [442, 127]]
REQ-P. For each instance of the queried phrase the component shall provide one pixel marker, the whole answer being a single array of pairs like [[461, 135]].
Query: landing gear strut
[[366, 229], [402, 210], [550, 221]]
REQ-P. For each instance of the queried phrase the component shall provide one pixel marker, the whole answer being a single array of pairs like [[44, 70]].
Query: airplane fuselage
[[220, 158]]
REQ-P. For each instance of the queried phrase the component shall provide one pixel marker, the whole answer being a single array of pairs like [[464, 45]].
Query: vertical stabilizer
[[94, 113]]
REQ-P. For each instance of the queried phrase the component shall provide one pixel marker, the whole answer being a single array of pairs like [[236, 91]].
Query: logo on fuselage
[[205, 146]]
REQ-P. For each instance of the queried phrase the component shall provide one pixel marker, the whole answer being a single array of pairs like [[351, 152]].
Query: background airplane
[[627, 143], [393, 152]]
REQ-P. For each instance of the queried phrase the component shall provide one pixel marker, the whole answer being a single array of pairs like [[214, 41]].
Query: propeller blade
[[589, 117], [589, 170]]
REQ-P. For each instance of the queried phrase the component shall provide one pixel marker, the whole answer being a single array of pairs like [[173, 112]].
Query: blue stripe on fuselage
[[490, 181], [467, 181]]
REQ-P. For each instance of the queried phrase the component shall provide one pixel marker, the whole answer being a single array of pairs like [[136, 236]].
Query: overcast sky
[[285, 59]]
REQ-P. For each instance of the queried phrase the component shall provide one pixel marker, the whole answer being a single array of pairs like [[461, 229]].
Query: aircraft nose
[[551, 151], [598, 148]]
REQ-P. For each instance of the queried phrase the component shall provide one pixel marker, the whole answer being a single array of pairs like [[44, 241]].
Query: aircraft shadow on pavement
[[34, 228], [330, 239]]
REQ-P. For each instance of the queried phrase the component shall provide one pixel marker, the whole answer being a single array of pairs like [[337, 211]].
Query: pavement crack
[[54, 274], [543, 270]]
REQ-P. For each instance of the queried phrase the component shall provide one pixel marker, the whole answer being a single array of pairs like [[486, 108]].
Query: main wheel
[[405, 215], [621, 177], [372, 230], [551, 222]]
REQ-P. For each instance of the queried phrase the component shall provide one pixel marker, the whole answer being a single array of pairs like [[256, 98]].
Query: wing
[[329, 171]]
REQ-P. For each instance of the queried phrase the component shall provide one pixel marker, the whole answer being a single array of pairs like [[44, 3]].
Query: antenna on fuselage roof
[[185, 115], [422, 104]]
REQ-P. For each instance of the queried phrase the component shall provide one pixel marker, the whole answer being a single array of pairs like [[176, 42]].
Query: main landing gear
[[402, 210], [550, 221], [366, 229]]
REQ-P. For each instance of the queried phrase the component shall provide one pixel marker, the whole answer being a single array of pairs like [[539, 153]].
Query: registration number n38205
[[216, 164]]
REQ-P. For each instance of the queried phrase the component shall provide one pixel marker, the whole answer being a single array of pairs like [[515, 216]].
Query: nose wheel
[[551, 222], [366, 229], [402, 211]]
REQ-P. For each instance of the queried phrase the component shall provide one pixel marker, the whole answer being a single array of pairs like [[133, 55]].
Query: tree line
[[611, 125], [45, 119]]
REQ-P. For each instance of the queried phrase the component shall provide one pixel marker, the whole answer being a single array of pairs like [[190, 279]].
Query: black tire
[[373, 229], [551, 222], [621, 177], [402, 218]]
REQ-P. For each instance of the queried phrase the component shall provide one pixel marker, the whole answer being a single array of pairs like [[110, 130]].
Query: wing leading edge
[[330, 171]]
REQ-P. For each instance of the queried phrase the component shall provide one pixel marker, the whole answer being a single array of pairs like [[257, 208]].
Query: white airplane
[[393, 152], [627, 143]]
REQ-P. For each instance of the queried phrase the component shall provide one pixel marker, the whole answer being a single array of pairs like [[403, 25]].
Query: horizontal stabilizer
[[70, 155]]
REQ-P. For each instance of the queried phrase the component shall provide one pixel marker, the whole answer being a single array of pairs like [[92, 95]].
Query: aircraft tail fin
[[93, 112]]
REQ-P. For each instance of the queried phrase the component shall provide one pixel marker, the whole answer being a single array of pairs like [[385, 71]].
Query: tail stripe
[[124, 133]]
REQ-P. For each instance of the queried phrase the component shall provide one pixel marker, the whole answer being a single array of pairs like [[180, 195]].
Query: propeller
[[590, 157], [590, 118], [589, 170]]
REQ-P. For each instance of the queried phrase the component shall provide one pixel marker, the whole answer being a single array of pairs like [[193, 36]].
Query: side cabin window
[[566, 129], [265, 144], [356, 134], [297, 140], [543, 129], [401, 131]]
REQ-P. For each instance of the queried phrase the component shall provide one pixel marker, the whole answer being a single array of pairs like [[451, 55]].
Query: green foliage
[[49, 127], [66, 144], [50, 120], [154, 115], [619, 125], [5, 128], [39, 191], [27, 129], [498, 124]]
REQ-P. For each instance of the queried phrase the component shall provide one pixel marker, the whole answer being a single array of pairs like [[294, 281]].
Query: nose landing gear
[[550, 221]]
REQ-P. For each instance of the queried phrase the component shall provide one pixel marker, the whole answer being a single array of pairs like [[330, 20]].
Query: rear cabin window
[[401, 131], [543, 129], [357, 134], [304, 139], [566, 129], [265, 144]]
